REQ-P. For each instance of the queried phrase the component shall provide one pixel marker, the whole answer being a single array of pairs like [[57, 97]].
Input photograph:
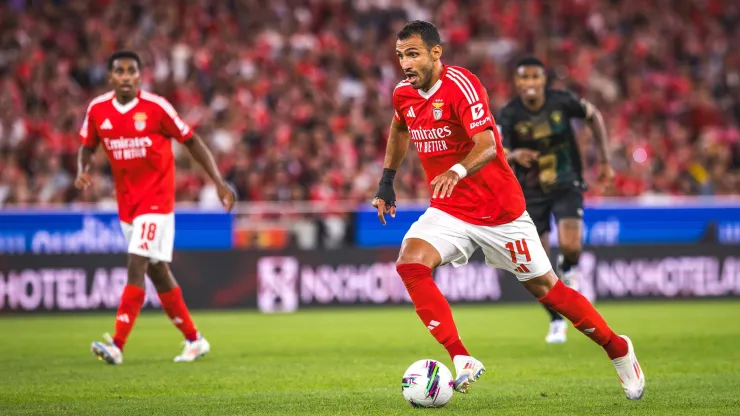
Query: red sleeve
[[472, 102], [88, 133], [397, 113], [172, 124]]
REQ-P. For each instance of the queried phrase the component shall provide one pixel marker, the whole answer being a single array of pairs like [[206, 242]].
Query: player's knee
[[410, 258], [570, 235], [137, 262], [541, 285], [137, 267], [414, 257], [161, 277], [571, 249], [416, 251]]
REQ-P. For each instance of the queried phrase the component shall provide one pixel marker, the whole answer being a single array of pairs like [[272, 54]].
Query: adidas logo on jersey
[[144, 246], [106, 125], [410, 113]]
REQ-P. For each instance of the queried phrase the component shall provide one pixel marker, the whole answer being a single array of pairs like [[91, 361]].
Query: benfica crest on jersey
[[140, 121], [437, 111]]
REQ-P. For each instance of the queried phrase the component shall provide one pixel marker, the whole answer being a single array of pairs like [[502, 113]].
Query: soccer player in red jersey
[[135, 128], [476, 202]]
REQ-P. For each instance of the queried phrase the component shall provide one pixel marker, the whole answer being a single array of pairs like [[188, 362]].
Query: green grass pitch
[[350, 361]]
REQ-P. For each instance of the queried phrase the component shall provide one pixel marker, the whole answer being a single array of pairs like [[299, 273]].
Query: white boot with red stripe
[[194, 350], [630, 374], [468, 370]]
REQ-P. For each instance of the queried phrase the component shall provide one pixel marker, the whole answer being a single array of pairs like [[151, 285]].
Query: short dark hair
[[427, 31], [123, 55], [529, 61]]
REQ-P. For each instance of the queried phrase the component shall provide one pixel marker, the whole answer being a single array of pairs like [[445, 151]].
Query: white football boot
[[630, 373], [468, 370], [193, 350], [556, 335], [107, 350]]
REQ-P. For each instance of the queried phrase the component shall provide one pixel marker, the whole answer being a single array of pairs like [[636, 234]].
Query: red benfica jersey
[[441, 123], [137, 139]]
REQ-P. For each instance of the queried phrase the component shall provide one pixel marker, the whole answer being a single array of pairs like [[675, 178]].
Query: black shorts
[[563, 203]]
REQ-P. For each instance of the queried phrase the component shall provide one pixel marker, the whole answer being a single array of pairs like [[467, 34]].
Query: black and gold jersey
[[549, 132]]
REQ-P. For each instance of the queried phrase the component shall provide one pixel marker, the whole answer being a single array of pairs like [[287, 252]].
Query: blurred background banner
[[65, 231], [288, 280], [671, 220]]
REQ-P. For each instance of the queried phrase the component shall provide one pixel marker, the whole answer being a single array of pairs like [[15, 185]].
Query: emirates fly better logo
[[125, 148], [430, 140]]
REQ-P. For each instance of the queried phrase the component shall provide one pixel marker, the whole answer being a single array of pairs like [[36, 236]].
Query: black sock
[[554, 316], [567, 264]]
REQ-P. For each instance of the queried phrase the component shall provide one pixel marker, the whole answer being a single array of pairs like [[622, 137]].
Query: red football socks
[[174, 305], [431, 306], [457, 348], [131, 301], [585, 318]]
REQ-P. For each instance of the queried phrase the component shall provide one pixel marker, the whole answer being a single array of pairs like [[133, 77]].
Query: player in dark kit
[[541, 145]]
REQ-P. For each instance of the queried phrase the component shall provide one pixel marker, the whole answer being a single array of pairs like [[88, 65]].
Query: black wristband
[[385, 188], [388, 176]]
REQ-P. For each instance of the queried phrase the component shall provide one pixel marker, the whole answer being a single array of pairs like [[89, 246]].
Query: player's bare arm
[[395, 151], [398, 144], [84, 157], [597, 125], [205, 159], [483, 152]]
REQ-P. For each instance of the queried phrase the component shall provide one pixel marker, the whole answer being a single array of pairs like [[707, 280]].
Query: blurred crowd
[[294, 97]]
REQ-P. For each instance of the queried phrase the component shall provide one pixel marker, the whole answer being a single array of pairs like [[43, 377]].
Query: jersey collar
[[125, 108], [435, 87]]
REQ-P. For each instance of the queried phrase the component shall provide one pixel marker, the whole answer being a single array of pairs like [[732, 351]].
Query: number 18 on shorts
[[151, 236]]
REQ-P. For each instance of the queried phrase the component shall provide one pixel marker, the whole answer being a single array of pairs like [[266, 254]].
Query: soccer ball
[[427, 383]]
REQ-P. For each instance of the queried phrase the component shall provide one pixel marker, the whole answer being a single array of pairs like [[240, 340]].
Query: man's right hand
[[383, 209], [525, 157], [83, 181], [385, 199]]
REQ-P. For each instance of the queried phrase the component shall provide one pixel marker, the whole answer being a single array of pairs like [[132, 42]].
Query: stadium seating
[[295, 101]]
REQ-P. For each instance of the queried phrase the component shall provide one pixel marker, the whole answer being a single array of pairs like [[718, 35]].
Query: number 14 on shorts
[[521, 248]]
